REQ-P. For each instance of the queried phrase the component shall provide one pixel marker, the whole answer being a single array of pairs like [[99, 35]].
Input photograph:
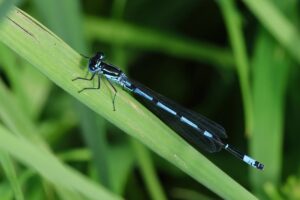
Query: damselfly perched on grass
[[196, 129]]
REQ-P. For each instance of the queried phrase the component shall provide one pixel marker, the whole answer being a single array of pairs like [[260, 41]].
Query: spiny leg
[[91, 88], [85, 79], [115, 94]]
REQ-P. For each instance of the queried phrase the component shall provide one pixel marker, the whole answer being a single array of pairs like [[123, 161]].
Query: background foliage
[[235, 62]]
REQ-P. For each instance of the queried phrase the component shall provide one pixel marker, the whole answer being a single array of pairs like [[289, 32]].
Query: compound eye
[[100, 55], [91, 68]]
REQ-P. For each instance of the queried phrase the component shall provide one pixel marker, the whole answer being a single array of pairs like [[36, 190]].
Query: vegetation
[[235, 62]]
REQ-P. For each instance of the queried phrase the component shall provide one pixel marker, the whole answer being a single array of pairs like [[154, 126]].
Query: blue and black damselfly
[[196, 129]]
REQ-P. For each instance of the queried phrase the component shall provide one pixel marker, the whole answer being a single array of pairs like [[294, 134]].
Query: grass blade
[[148, 171], [283, 30], [234, 27], [5, 6], [48, 166], [11, 174], [121, 33], [270, 70]]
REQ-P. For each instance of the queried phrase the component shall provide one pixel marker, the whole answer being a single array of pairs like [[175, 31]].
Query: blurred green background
[[235, 62]]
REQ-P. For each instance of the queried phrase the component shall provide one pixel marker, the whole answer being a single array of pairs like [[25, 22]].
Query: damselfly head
[[95, 62]]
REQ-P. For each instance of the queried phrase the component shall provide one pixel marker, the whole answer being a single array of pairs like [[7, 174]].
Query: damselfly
[[196, 129]]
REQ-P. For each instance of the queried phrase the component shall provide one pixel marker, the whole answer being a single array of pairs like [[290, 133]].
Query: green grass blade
[[11, 175], [18, 123], [270, 70], [65, 24], [115, 32], [48, 166], [119, 174], [234, 28], [188, 194], [94, 134], [277, 25], [69, 27], [5, 191], [23, 81], [60, 63], [5, 6], [148, 171]]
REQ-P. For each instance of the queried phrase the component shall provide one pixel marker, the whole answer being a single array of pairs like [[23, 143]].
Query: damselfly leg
[[89, 79], [115, 93], [85, 79], [98, 86]]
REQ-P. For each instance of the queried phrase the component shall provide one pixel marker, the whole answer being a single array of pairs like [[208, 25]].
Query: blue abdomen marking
[[143, 94], [166, 108], [185, 120], [208, 134]]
